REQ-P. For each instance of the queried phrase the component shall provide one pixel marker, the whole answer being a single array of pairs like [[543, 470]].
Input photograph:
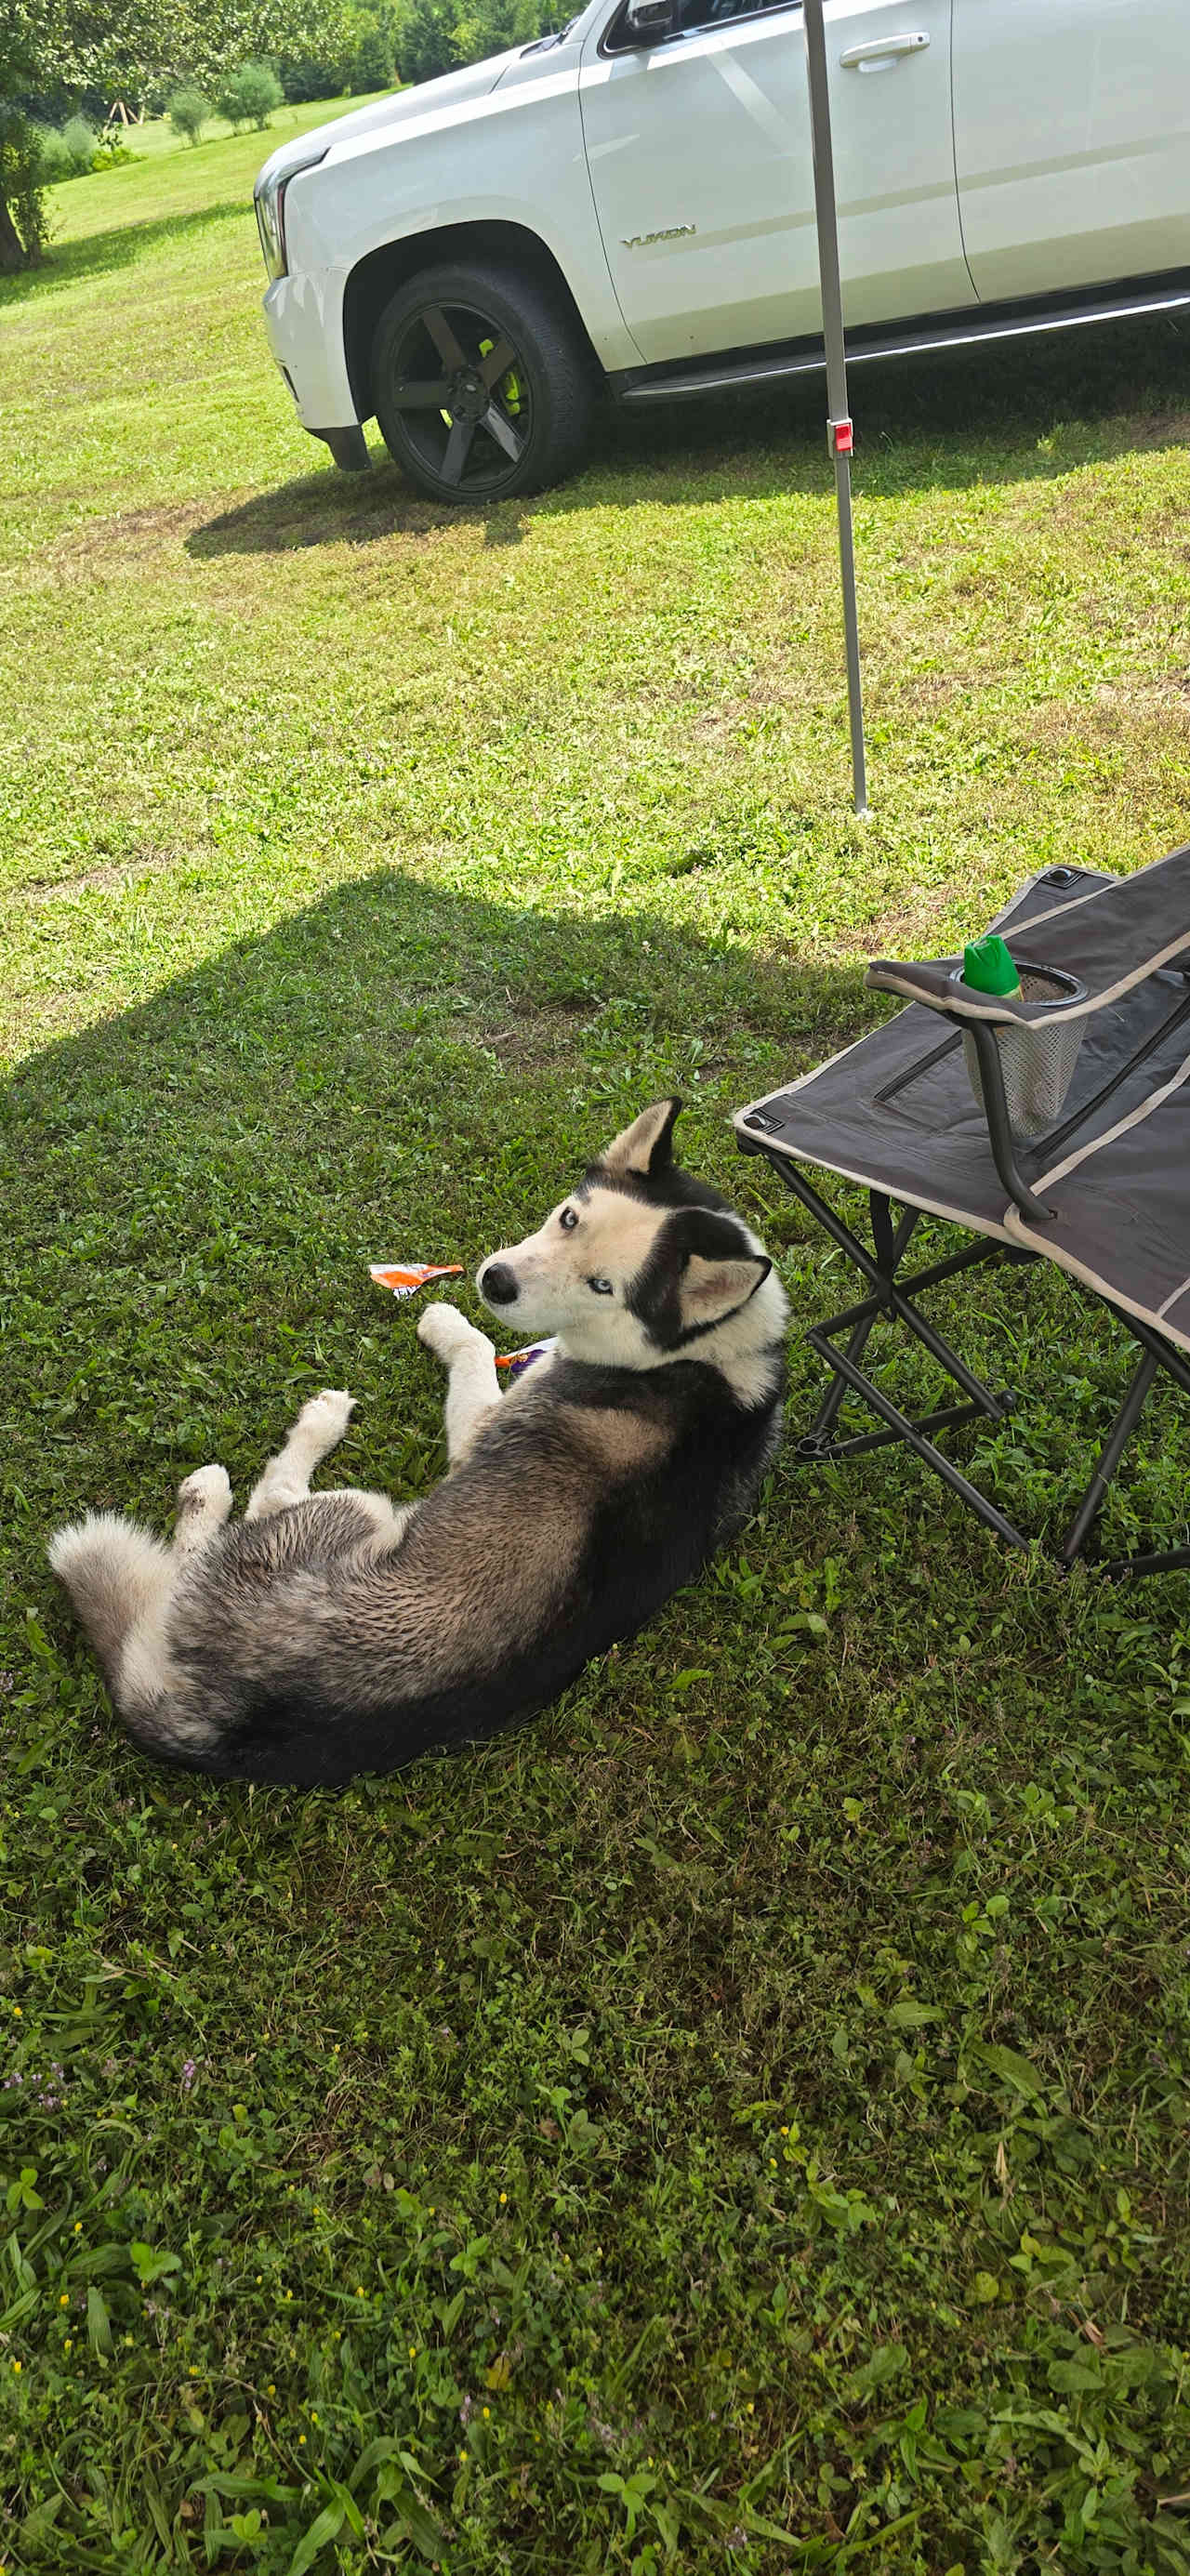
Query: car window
[[712, 13], [690, 16]]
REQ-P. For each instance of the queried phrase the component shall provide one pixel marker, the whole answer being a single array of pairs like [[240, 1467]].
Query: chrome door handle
[[882, 49]]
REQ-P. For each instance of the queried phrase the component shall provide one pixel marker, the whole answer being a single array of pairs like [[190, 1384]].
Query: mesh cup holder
[[1037, 1060]]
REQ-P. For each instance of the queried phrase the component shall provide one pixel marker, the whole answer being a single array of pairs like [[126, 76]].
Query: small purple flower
[[189, 2071]]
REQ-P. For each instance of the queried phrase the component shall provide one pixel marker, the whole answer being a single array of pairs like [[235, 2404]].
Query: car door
[[1072, 140], [699, 154]]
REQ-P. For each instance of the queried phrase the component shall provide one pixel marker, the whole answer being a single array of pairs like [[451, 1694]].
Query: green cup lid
[[988, 967]]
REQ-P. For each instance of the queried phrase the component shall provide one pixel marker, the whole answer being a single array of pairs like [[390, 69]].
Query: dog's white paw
[[445, 1332], [207, 1490], [328, 1414]]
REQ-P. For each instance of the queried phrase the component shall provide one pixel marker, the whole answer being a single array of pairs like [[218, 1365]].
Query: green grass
[[739, 2121]]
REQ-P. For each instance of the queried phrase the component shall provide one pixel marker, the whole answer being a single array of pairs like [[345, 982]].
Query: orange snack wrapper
[[406, 1277]]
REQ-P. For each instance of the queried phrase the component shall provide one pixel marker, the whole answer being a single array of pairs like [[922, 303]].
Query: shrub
[[79, 139], [110, 149], [55, 162], [248, 95], [188, 112]]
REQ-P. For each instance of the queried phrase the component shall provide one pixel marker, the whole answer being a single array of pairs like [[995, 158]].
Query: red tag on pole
[[840, 437]]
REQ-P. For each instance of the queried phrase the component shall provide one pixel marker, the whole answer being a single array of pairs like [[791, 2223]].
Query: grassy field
[[739, 2122]]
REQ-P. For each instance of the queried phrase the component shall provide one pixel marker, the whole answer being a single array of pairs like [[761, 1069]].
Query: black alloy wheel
[[480, 387]]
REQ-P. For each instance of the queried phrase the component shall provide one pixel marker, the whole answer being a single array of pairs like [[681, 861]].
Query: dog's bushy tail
[[117, 1576]]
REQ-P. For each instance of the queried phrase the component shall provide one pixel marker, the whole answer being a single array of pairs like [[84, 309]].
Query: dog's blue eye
[[601, 1287], [568, 1220]]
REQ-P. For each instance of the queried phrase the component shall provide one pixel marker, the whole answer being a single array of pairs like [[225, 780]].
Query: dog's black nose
[[498, 1283]]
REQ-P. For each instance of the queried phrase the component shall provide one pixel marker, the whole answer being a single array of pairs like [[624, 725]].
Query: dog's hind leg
[[319, 1427], [204, 1503], [473, 1390]]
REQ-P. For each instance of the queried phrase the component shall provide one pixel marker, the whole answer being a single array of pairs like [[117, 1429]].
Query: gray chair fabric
[[897, 1114]]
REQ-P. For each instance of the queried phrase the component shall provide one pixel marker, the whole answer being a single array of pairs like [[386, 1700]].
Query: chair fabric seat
[[896, 1114]]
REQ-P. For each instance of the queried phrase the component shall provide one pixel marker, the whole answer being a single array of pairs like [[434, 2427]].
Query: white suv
[[630, 205]]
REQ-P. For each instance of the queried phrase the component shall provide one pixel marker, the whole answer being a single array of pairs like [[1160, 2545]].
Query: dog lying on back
[[328, 1634]]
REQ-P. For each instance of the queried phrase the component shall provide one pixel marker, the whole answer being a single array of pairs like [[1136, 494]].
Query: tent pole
[[839, 419]]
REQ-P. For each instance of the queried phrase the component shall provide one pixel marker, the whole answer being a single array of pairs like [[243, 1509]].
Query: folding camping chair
[[1053, 1125]]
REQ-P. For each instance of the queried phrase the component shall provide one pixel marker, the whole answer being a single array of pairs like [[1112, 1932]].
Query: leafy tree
[[248, 95], [24, 178], [432, 36], [422, 38], [69, 50], [483, 27], [371, 65], [305, 76]]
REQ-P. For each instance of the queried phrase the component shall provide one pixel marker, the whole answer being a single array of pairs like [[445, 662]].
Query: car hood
[[420, 99]]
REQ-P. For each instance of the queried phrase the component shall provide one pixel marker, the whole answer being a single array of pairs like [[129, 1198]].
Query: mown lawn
[[740, 2121]]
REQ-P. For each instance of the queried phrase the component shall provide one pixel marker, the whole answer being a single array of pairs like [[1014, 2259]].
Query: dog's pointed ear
[[646, 1148], [710, 1288]]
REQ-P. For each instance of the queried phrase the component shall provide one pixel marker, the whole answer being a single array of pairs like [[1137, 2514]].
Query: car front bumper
[[304, 320]]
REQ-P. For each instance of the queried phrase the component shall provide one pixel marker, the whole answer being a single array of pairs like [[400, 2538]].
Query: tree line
[[69, 59]]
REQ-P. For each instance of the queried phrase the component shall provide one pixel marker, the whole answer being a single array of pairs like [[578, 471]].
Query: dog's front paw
[[445, 1332], [207, 1489], [328, 1414]]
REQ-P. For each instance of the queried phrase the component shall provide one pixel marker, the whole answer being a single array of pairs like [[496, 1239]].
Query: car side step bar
[[953, 331]]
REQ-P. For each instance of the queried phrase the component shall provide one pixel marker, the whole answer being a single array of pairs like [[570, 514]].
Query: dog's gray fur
[[333, 1633]]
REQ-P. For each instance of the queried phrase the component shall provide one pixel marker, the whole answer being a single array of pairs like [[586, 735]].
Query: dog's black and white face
[[640, 1264]]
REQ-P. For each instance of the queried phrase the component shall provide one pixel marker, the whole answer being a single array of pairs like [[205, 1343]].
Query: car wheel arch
[[377, 276]]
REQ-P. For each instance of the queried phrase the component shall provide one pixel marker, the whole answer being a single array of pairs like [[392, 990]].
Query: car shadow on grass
[[1031, 412]]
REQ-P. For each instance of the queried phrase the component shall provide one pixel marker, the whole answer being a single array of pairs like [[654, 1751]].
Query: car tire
[[482, 383]]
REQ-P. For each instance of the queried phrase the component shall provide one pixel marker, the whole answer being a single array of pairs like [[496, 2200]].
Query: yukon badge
[[673, 232]]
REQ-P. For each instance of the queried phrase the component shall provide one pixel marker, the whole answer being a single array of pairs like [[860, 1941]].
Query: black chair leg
[[1109, 1458], [890, 1250]]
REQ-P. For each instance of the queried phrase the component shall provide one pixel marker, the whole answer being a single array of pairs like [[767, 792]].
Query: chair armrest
[[938, 982]]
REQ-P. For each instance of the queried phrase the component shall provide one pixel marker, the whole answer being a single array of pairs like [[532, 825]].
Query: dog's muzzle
[[498, 1284]]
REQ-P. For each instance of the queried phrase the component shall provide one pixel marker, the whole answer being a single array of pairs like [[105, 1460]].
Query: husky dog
[[327, 1634]]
